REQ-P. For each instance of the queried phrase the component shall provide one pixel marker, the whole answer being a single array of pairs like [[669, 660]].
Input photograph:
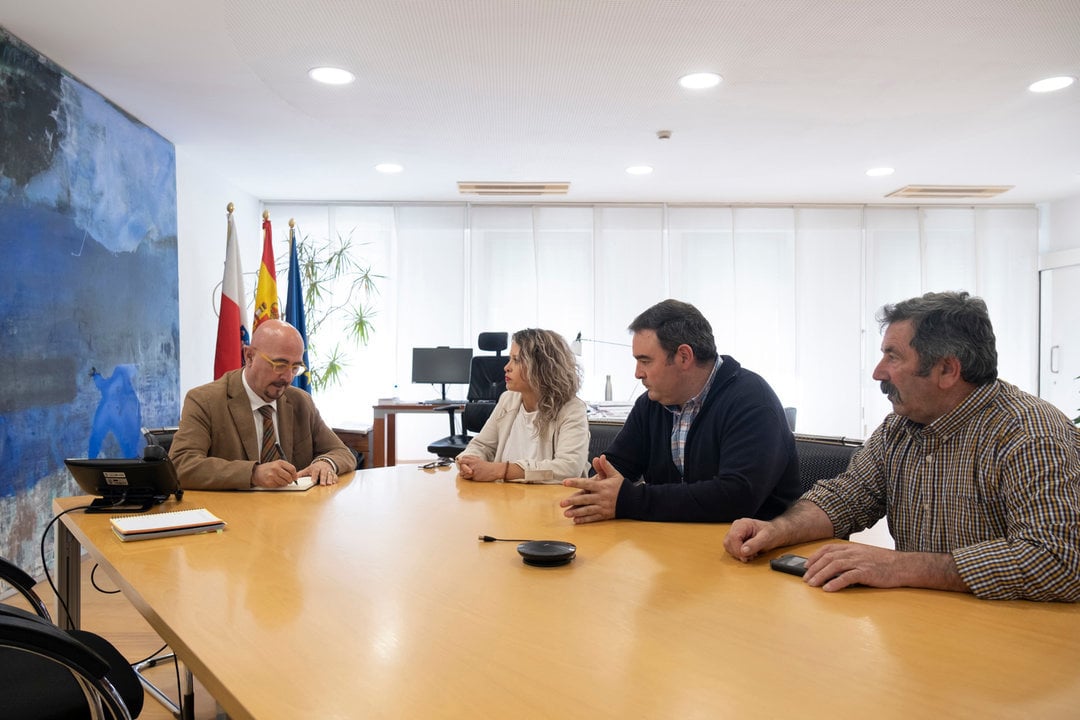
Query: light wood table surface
[[375, 599]]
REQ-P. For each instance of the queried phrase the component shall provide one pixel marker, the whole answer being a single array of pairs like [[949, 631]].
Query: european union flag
[[294, 310]]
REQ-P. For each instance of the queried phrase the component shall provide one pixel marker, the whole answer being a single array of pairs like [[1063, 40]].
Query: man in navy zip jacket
[[708, 443]]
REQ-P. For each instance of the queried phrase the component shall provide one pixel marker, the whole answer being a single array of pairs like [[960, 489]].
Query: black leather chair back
[[160, 436], [487, 381], [39, 663]]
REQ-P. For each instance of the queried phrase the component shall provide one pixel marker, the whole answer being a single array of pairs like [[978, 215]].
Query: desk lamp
[[575, 347]]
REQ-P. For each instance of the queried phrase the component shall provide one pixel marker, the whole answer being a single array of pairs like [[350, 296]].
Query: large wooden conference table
[[374, 598]]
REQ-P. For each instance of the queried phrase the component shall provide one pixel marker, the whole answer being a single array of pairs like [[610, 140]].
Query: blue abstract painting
[[88, 307]]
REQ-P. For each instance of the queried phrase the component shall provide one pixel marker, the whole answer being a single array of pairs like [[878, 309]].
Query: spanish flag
[[266, 297]]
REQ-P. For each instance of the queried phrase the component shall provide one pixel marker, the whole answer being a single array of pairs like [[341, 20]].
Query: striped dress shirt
[[995, 482]]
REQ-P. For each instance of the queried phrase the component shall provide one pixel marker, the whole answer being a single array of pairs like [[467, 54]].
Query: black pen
[[281, 456]]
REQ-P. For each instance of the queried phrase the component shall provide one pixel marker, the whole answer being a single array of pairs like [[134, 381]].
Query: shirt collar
[[702, 394], [953, 421], [253, 398]]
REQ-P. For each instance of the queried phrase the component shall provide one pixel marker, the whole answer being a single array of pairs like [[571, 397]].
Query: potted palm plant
[[338, 288]]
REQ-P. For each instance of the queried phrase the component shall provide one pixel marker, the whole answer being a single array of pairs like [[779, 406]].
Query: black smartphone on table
[[788, 563]]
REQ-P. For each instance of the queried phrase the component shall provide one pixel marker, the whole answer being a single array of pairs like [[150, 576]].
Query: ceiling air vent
[[505, 189], [949, 191]]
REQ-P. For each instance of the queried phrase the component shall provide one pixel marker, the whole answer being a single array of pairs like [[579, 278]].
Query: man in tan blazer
[[252, 428]]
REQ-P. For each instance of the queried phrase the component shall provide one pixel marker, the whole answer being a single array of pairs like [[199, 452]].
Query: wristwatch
[[327, 460]]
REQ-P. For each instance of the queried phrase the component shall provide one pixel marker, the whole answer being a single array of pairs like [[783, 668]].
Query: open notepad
[[301, 484], [155, 525]]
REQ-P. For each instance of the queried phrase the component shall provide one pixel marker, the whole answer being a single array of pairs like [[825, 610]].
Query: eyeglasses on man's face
[[279, 367]]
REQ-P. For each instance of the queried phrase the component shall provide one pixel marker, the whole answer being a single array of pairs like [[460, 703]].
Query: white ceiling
[[814, 93]]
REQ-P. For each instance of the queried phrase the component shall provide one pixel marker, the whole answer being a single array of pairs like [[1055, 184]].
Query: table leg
[[391, 440], [378, 441], [68, 579]]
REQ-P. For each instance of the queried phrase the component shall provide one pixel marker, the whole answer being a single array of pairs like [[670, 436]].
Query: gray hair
[[949, 324]]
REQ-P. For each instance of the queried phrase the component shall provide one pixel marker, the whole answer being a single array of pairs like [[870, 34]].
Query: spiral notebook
[[155, 525]]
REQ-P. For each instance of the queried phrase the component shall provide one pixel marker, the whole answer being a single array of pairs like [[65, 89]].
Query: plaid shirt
[[684, 417], [995, 482]]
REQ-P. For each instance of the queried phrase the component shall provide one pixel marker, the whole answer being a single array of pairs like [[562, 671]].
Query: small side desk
[[384, 432], [356, 438]]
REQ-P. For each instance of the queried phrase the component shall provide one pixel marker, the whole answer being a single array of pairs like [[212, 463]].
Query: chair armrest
[[21, 581], [45, 639]]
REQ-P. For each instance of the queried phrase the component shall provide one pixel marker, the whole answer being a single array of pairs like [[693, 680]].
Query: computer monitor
[[441, 366], [125, 485]]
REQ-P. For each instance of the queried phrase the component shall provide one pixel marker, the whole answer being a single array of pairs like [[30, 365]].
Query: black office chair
[[162, 436], [822, 457], [46, 672], [487, 382], [601, 435]]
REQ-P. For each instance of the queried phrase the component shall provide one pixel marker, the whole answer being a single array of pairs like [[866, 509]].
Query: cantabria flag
[[231, 334]]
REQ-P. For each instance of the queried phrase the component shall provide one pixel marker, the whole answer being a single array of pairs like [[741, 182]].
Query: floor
[[113, 617]]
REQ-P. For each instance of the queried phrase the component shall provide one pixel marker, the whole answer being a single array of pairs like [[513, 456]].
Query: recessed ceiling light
[[700, 81], [389, 168], [639, 169], [880, 171], [1051, 84], [331, 75]]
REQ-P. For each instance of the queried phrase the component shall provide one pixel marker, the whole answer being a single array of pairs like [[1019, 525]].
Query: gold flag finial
[[266, 214], [229, 207], [292, 223]]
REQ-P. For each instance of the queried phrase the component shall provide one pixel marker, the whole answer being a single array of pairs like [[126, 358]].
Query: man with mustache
[[980, 481], [252, 428]]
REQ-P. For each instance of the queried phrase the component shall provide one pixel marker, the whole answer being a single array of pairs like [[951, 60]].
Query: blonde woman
[[538, 431]]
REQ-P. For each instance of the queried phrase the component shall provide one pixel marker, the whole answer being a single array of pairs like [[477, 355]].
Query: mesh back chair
[[601, 435], [487, 381], [47, 672], [821, 458]]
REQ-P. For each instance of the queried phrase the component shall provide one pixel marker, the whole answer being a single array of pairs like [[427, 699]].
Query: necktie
[[269, 443]]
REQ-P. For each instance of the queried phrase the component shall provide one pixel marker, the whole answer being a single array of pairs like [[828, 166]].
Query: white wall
[[1060, 225], [201, 199], [1059, 333]]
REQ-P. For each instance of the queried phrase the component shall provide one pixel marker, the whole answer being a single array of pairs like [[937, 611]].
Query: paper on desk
[[301, 484], [609, 410]]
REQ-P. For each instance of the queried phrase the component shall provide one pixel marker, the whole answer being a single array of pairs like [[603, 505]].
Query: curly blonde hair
[[551, 369]]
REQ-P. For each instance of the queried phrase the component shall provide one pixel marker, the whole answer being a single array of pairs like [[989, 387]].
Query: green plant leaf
[[337, 283]]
